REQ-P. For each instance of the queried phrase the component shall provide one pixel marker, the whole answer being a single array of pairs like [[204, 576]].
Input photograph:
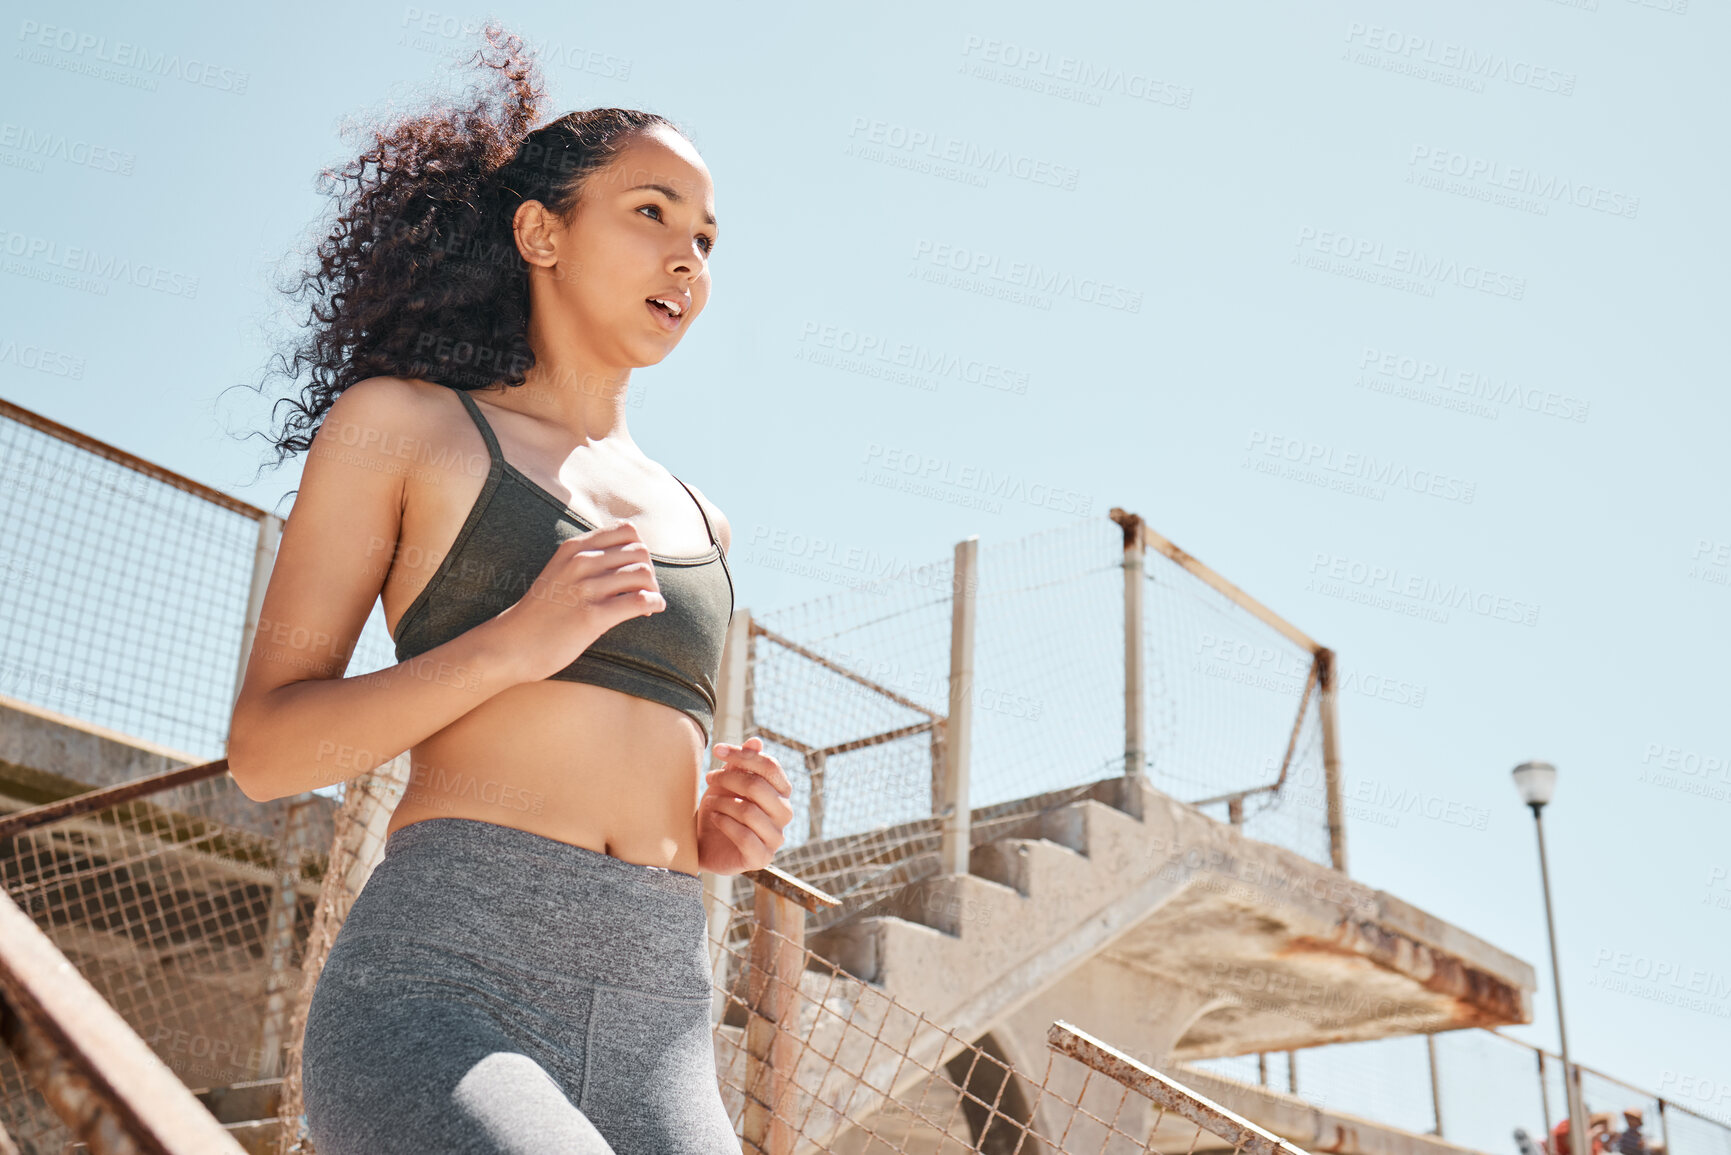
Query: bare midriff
[[582, 764]]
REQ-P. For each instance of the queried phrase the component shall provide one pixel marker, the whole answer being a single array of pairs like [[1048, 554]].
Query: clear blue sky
[[1437, 252]]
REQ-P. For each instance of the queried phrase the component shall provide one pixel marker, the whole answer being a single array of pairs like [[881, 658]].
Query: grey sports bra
[[512, 530]]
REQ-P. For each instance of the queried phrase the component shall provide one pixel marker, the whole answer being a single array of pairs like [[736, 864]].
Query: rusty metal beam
[[114, 1092], [1243, 1136], [130, 460], [108, 796], [797, 891]]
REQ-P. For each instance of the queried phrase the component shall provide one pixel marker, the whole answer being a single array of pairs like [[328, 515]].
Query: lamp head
[[1536, 782]]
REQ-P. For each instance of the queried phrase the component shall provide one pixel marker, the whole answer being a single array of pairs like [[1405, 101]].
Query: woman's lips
[[668, 320]]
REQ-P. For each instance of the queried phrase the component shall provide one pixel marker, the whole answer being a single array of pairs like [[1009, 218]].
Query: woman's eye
[[708, 242]]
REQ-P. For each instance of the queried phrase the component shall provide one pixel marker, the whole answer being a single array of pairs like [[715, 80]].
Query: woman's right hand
[[593, 582]]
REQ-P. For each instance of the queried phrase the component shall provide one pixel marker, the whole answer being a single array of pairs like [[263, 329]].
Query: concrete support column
[[1135, 684], [772, 1051], [263, 560], [1331, 760], [951, 800], [729, 727]]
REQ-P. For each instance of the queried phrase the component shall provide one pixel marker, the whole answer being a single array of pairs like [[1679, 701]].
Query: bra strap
[[481, 424], [709, 528]]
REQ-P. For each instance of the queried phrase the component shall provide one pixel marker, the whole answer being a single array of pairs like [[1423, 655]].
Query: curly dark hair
[[419, 275]]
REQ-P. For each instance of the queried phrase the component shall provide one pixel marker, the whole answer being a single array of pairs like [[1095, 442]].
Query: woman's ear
[[533, 227]]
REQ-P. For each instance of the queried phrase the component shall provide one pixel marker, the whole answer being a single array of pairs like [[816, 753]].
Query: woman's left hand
[[743, 810]]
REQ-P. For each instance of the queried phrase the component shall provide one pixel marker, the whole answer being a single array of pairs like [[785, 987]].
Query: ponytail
[[419, 275]]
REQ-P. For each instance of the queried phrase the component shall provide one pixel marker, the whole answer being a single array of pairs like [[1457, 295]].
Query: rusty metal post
[[814, 764], [938, 727], [729, 727], [113, 1092], [263, 559], [1331, 760], [1544, 1095], [1435, 1085], [951, 803], [283, 981], [771, 1047], [1135, 684]]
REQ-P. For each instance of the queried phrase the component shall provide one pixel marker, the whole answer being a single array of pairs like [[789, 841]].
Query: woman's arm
[[298, 723]]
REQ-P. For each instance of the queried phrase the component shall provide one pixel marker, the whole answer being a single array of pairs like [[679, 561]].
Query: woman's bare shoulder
[[723, 530]]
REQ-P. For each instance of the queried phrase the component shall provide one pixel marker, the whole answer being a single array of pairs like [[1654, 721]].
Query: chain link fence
[[1474, 1088]]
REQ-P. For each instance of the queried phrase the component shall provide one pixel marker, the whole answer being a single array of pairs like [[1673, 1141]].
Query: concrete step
[[247, 1111], [1308, 1125], [962, 948]]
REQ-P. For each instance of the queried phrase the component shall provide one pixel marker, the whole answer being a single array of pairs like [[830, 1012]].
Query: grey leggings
[[495, 991]]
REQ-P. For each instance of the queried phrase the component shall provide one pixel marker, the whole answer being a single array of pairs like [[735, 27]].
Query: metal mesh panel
[[125, 595], [851, 692], [1487, 1085], [812, 1059], [1225, 691], [1692, 1134], [188, 911]]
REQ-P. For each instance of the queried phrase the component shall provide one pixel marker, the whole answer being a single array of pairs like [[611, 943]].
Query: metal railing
[[918, 714], [1472, 1087]]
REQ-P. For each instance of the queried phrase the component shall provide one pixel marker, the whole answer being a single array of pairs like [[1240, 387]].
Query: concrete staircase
[[1171, 935]]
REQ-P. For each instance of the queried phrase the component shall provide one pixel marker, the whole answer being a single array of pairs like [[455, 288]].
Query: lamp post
[[1536, 781]]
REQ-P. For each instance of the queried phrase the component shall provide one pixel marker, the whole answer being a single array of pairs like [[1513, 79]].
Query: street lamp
[[1536, 781]]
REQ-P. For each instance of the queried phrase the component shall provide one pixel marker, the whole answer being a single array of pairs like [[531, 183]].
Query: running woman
[[526, 969]]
